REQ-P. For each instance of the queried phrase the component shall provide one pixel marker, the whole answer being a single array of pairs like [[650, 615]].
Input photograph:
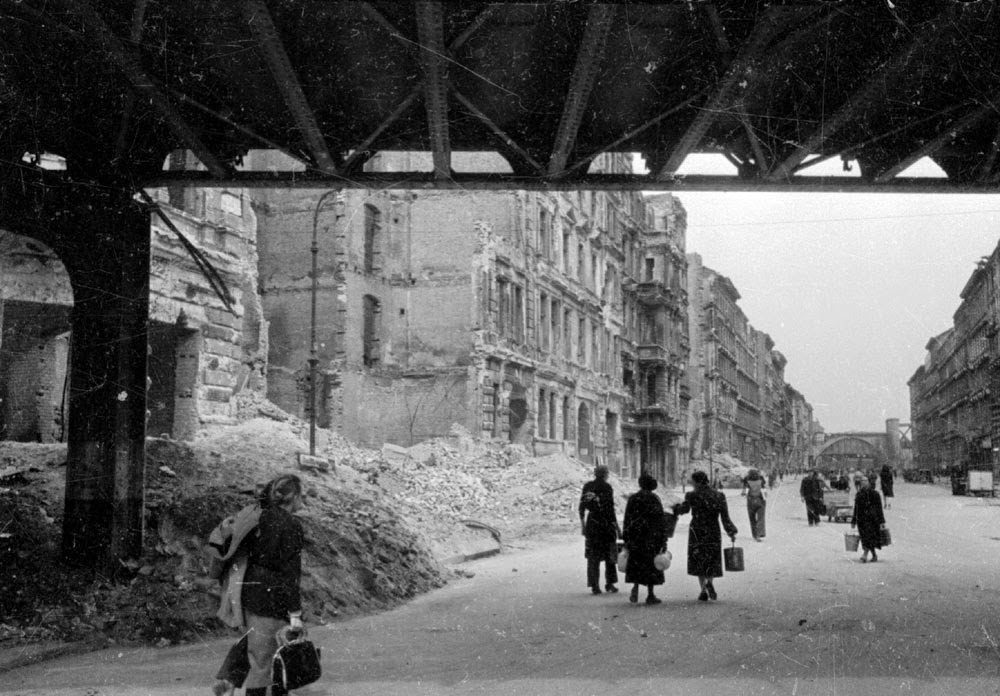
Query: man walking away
[[811, 492], [599, 526], [753, 489]]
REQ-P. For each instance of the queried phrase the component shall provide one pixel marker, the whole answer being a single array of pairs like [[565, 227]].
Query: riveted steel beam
[[434, 64], [498, 131], [991, 159], [949, 133], [596, 182], [857, 101], [474, 26], [588, 62], [722, 98], [129, 64], [259, 18], [365, 144]]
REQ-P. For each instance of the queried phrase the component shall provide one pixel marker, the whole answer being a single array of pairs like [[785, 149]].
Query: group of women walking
[[646, 529]]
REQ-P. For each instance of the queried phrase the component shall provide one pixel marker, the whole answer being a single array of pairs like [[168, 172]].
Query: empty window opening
[[370, 338], [373, 231]]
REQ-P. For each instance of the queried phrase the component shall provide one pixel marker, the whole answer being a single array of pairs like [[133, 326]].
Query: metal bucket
[[851, 541], [733, 558]]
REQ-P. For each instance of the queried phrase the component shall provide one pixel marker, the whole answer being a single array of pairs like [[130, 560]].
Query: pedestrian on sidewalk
[[269, 594], [811, 492], [599, 526], [707, 507], [887, 480], [753, 490], [645, 534], [870, 520]]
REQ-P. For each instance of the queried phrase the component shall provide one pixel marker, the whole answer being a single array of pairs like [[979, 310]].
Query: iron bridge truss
[[775, 87]]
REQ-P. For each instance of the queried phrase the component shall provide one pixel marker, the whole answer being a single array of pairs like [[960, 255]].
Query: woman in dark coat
[[645, 535], [887, 479], [270, 592], [707, 508], [869, 518]]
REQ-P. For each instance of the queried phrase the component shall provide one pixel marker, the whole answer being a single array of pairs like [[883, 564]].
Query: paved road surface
[[805, 618]]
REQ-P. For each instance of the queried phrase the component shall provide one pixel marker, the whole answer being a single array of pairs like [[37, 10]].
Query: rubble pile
[[380, 525], [488, 481]]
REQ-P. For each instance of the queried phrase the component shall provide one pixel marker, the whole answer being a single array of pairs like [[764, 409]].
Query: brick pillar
[[103, 237]]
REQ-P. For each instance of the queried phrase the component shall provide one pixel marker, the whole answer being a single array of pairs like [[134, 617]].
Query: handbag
[[622, 560], [886, 537], [296, 662], [662, 560], [733, 558]]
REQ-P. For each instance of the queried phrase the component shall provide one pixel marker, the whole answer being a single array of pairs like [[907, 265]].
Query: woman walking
[[869, 518], [645, 535], [269, 593], [887, 480], [753, 489], [707, 507]]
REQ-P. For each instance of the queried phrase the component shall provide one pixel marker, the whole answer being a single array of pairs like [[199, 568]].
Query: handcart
[[838, 506]]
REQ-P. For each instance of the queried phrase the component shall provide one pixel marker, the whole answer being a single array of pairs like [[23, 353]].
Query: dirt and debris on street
[[382, 526]]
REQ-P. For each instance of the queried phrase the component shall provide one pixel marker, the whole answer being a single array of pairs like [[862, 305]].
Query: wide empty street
[[806, 617]]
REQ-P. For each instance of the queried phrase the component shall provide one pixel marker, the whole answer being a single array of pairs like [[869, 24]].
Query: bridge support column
[[103, 237]]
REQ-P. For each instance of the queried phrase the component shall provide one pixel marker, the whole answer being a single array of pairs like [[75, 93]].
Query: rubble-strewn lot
[[381, 526]]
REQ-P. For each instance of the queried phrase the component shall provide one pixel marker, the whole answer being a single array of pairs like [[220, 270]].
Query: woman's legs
[[634, 594], [650, 597], [703, 581], [710, 588], [262, 643], [864, 556]]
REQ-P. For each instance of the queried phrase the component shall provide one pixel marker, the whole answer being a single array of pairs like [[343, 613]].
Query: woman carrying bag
[[270, 596], [869, 518], [645, 536], [707, 507]]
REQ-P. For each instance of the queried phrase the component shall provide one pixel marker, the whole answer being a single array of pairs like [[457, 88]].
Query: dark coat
[[887, 480], [645, 535], [707, 508], [869, 518], [597, 511], [811, 488], [274, 565]]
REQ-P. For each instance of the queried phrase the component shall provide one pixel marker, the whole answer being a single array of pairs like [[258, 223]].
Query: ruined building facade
[[741, 403], [955, 394], [203, 354], [552, 320]]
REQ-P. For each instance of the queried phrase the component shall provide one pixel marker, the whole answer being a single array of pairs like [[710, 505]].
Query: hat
[[601, 470]]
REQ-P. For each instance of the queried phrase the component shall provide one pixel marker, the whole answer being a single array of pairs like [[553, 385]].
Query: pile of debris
[[380, 525]]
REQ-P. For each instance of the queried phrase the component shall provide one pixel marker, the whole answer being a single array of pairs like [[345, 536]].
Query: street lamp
[[313, 351]]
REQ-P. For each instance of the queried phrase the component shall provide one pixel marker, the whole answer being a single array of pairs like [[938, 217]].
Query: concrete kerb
[[30, 653]]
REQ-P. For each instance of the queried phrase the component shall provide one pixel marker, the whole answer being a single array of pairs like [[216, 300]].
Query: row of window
[[549, 404], [560, 330]]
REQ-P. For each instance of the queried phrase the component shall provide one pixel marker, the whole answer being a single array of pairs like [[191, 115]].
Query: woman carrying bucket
[[869, 518], [707, 508]]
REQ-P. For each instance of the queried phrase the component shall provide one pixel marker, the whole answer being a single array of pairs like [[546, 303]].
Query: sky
[[850, 286]]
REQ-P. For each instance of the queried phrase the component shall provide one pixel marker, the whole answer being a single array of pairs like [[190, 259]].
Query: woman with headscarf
[[707, 507], [269, 596], [869, 518], [753, 489], [887, 480], [645, 535]]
